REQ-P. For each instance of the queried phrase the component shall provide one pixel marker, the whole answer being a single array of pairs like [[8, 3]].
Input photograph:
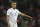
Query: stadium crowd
[[29, 7]]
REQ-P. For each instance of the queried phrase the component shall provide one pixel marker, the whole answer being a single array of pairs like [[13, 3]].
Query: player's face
[[13, 5]]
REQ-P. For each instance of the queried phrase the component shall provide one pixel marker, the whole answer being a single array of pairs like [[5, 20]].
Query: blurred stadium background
[[29, 7]]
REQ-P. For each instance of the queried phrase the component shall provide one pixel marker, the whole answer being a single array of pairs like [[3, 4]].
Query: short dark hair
[[14, 1]]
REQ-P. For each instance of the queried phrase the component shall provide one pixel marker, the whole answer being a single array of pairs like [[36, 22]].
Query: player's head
[[13, 4]]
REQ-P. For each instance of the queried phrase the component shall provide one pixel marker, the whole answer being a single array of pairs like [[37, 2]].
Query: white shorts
[[13, 24]]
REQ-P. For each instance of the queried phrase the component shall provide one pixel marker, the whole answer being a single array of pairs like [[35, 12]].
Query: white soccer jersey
[[13, 14]]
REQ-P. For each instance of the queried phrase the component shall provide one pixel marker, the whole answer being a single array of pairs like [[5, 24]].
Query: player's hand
[[30, 17], [8, 24]]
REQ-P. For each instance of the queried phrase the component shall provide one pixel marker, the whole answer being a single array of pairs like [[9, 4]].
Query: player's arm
[[8, 14], [25, 15], [22, 14]]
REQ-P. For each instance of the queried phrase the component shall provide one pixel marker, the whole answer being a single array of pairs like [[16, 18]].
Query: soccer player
[[12, 15]]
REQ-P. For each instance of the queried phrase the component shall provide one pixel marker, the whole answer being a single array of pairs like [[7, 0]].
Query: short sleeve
[[19, 12], [8, 12]]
